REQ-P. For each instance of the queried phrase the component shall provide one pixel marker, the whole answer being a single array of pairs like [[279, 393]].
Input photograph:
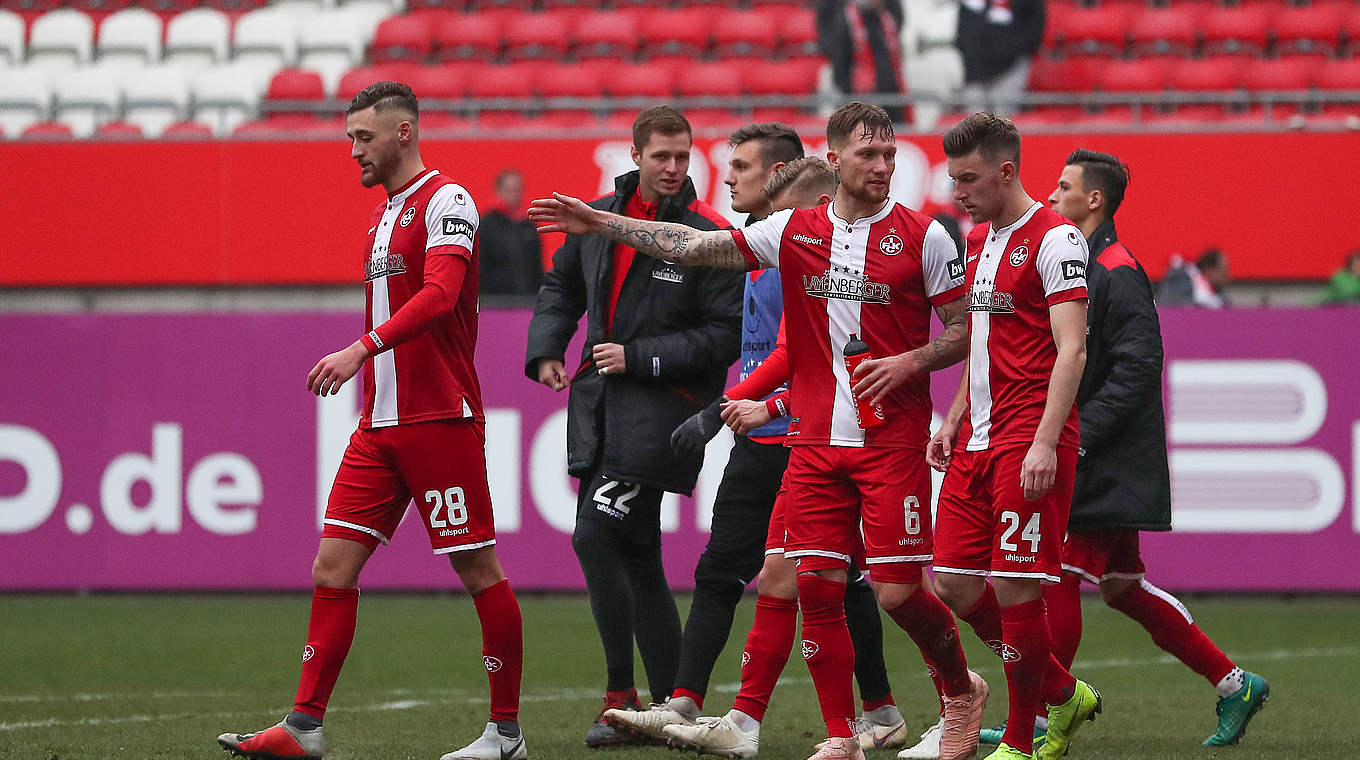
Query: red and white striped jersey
[[431, 375], [1015, 274], [877, 277]]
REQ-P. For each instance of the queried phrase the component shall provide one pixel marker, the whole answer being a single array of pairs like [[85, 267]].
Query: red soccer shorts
[[984, 526], [1100, 554], [774, 534], [833, 489], [441, 464]]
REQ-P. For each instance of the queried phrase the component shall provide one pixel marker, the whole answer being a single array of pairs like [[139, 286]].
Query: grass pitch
[[160, 676]]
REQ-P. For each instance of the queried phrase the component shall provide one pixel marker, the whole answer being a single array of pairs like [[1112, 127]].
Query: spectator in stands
[[861, 38], [998, 39], [1344, 287], [1199, 284], [512, 260]]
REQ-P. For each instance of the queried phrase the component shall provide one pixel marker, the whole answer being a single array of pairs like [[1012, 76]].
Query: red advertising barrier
[[260, 213]]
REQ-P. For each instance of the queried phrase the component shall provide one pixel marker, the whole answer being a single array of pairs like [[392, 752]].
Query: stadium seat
[[677, 34], [196, 38], [47, 130], [515, 6], [1241, 30], [510, 80], [571, 80], [63, 37], [86, 98], [738, 33], [441, 6], [1297, 72], [187, 130], [1170, 31], [358, 78], [25, 98], [569, 120], [539, 36], [714, 119], [1070, 75], [1350, 26], [155, 98], [132, 37], [403, 38], [610, 35], [266, 38], [12, 32], [224, 97], [98, 9], [1340, 75], [446, 81], [798, 34], [298, 85], [1223, 72], [795, 77], [652, 80], [1139, 75], [119, 130], [443, 121], [1315, 28], [330, 44], [1097, 30], [471, 37]]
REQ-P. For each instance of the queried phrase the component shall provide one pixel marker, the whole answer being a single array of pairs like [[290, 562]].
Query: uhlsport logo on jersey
[[1019, 254], [384, 266], [492, 664], [891, 245], [809, 649], [993, 301], [846, 284], [308, 653], [407, 216]]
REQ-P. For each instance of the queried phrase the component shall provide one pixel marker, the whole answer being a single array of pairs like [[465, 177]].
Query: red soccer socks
[[766, 653], [828, 650], [985, 618], [502, 647], [330, 631], [1173, 629], [930, 625], [1063, 602]]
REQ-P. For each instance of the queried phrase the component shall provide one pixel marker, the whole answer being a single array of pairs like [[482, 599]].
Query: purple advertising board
[[182, 451]]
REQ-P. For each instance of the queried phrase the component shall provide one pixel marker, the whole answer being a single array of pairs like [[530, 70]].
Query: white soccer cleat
[[647, 724], [883, 728], [714, 736], [839, 748], [492, 746], [962, 720], [280, 742], [929, 746]]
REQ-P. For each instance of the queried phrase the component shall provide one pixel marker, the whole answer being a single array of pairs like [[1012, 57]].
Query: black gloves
[[693, 434]]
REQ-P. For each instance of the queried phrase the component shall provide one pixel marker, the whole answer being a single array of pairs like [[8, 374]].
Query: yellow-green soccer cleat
[[1235, 712], [1065, 719], [1004, 751]]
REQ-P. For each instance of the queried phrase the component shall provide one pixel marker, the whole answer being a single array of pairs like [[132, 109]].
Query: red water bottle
[[869, 415]]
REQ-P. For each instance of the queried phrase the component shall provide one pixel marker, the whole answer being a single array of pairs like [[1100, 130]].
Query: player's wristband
[[372, 341], [776, 407]]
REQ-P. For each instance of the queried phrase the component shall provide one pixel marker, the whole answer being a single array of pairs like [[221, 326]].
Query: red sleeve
[[769, 376], [752, 263], [445, 268], [778, 405]]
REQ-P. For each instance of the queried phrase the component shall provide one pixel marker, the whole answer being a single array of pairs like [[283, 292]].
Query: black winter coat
[[1122, 475], [680, 328], [992, 36]]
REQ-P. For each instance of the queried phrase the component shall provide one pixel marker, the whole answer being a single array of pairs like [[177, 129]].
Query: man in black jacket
[[998, 40], [659, 340], [1123, 485]]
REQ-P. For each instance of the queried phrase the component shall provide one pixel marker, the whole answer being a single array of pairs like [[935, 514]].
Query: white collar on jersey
[[415, 185], [876, 217], [1025, 217]]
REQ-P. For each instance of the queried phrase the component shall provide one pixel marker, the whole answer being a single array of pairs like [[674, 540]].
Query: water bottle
[[868, 415]]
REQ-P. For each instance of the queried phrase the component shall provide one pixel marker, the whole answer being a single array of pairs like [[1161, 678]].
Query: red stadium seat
[[714, 118], [518, 6], [606, 35], [539, 36], [571, 80], [652, 79], [717, 79], [1350, 26], [679, 33], [1222, 72], [47, 130], [187, 130], [469, 37], [451, 6], [360, 77], [569, 119], [296, 84], [1049, 116], [443, 120], [1070, 75], [118, 130], [511, 80], [1340, 75], [1096, 30], [1141, 75], [1315, 28], [1173, 30], [745, 33], [444, 81], [798, 33], [1297, 72], [1244, 29], [793, 77], [403, 38]]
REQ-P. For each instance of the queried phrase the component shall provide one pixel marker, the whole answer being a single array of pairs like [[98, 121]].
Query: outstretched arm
[[676, 243]]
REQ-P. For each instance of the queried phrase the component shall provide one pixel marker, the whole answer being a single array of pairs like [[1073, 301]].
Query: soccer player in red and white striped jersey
[[1009, 442], [421, 433], [867, 265]]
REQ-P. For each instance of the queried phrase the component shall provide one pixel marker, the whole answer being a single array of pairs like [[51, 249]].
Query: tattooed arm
[[876, 378], [662, 240]]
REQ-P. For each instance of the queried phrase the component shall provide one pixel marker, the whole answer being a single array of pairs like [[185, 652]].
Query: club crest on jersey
[[1019, 254], [846, 284], [891, 245], [408, 215]]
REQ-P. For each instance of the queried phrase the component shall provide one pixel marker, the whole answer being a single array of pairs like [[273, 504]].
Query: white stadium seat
[[197, 38], [330, 44], [266, 35], [154, 98], [25, 98], [63, 37], [132, 35], [11, 38], [86, 98], [224, 97]]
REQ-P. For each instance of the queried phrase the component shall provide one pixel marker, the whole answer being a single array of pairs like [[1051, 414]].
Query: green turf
[[161, 676]]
